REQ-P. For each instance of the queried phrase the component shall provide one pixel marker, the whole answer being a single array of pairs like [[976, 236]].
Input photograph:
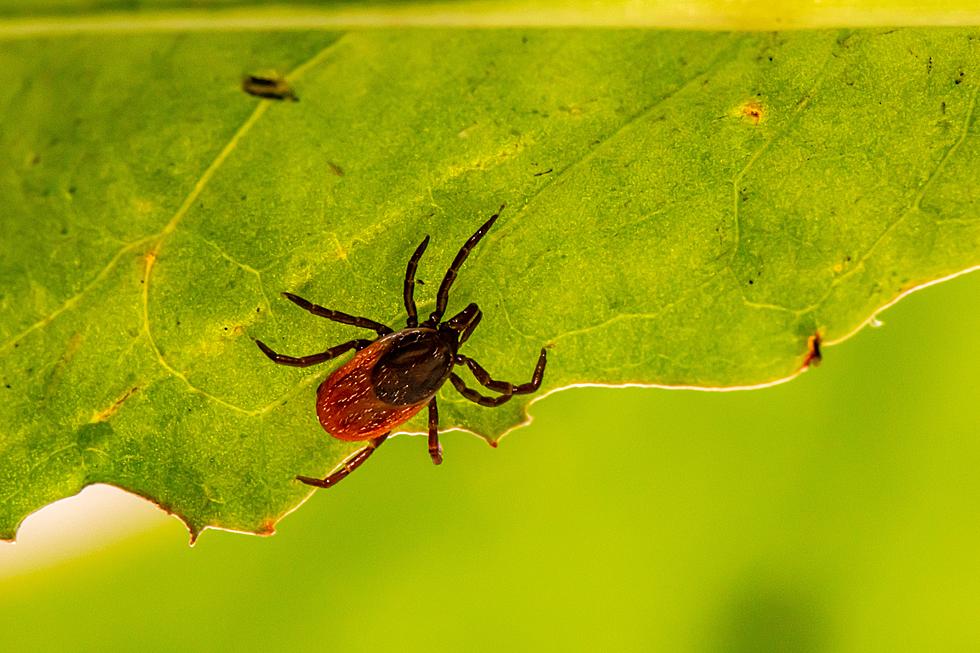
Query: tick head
[[461, 325]]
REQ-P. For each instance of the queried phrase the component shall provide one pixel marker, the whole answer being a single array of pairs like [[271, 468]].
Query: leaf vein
[[182, 211], [606, 139], [916, 201], [620, 317], [243, 266], [72, 301], [801, 105]]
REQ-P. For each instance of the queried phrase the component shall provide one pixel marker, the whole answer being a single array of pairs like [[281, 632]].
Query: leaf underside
[[683, 208]]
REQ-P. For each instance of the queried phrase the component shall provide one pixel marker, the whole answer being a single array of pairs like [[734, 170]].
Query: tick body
[[385, 384], [396, 375]]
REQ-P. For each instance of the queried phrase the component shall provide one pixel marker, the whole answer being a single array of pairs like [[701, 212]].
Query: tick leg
[[349, 465], [435, 449], [475, 396], [413, 263], [312, 359], [506, 387], [442, 298], [337, 316]]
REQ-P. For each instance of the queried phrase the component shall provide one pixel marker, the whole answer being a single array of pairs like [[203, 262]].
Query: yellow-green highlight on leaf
[[684, 209], [37, 18]]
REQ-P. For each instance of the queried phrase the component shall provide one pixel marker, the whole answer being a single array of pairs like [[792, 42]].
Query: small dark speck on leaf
[[942, 107], [751, 281], [270, 87], [258, 309], [7, 385], [543, 172], [335, 169]]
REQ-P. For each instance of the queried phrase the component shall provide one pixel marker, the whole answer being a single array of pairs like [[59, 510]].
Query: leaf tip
[[267, 529]]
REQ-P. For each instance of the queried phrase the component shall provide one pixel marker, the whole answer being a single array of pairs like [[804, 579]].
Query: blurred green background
[[838, 512]]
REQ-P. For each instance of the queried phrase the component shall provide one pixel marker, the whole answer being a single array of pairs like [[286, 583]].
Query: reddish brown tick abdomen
[[346, 402]]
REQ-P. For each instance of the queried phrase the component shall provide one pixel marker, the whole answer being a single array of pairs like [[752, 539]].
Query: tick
[[394, 376]]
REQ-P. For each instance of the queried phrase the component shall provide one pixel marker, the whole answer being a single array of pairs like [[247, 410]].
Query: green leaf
[[683, 209]]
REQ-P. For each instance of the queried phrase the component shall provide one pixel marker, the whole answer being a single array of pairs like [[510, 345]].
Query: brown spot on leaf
[[104, 415], [149, 259], [267, 528], [335, 169], [813, 355], [753, 110]]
